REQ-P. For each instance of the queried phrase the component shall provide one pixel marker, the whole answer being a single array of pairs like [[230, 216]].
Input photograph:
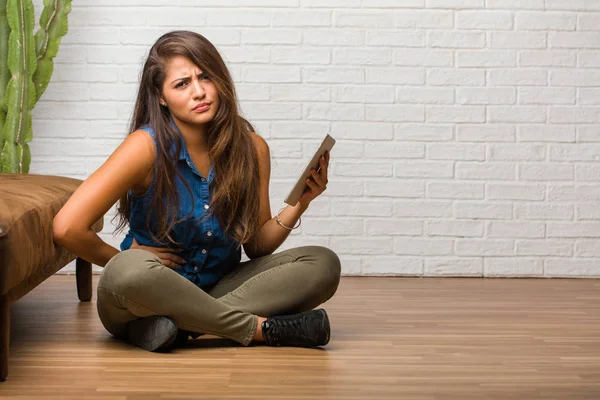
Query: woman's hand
[[317, 182], [165, 254]]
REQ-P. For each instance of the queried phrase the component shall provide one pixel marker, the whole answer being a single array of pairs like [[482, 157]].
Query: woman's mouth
[[201, 108]]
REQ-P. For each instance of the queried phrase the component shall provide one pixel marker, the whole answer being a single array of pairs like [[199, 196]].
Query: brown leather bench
[[28, 255]]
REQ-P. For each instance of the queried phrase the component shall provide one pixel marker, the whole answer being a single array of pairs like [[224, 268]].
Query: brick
[[261, 110], [544, 247], [515, 191], [424, 95], [299, 18], [545, 21], [395, 37], [415, 208], [455, 4], [455, 77], [518, 40], [546, 58], [574, 152], [426, 169], [455, 114], [574, 40], [571, 267], [424, 19], [367, 169], [357, 56], [453, 266], [423, 246], [397, 76], [589, 95], [424, 57], [515, 229], [574, 77], [587, 172], [516, 152], [517, 77], [486, 58], [484, 20], [454, 228], [456, 151], [395, 150], [455, 190], [394, 187], [512, 267], [454, 39], [486, 96], [333, 75], [334, 226], [517, 114], [363, 19], [484, 247], [573, 229], [334, 112], [298, 92], [515, 4], [333, 37], [423, 132], [362, 130], [588, 133], [395, 113], [545, 172], [300, 55], [485, 133], [485, 171], [486, 210], [543, 211], [384, 227], [546, 95]]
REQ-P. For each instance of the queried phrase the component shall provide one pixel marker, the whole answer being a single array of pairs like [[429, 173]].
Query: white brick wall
[[468, 130]]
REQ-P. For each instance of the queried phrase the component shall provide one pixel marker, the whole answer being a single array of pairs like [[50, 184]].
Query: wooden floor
[[392, 338]]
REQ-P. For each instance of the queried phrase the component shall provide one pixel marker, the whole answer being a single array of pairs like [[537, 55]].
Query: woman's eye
[[180, 84], [204, 77]]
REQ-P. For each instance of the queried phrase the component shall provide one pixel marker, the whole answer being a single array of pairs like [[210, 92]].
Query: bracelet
[[288, 228]]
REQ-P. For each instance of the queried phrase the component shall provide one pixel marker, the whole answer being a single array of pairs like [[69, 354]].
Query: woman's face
[[191, 95]]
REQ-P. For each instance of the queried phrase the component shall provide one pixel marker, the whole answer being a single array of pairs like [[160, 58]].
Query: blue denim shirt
[[209, 252]]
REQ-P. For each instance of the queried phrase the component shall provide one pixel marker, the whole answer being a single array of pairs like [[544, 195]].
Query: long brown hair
[[235, 186]]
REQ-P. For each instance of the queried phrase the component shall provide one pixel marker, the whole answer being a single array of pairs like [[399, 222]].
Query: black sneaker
[[155, 333], [307, 329]]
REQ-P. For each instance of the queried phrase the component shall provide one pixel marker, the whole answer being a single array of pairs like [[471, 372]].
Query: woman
[[192, 181]]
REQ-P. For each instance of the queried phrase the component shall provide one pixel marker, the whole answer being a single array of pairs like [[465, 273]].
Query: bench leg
[[83, 275], [4, 337]]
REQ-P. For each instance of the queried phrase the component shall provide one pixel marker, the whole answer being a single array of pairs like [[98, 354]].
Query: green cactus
[[25, 69]]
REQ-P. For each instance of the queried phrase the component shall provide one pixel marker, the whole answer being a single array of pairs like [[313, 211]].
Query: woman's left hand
[[317, 182]]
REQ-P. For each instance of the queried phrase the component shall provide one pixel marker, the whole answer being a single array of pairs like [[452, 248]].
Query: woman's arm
[[271, 235], [130, 164]]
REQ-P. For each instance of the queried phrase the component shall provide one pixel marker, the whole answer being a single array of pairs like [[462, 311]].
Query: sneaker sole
[[155, 333]]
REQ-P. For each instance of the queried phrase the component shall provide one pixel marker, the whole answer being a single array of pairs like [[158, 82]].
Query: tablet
[[298, 189]]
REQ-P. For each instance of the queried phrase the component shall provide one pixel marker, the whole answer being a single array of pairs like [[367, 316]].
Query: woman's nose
[[198, 89]]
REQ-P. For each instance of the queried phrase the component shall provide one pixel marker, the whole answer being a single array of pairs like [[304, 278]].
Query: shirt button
[[209, 233], [202, 179], [203, 251], [206, 206], [195, 268]]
